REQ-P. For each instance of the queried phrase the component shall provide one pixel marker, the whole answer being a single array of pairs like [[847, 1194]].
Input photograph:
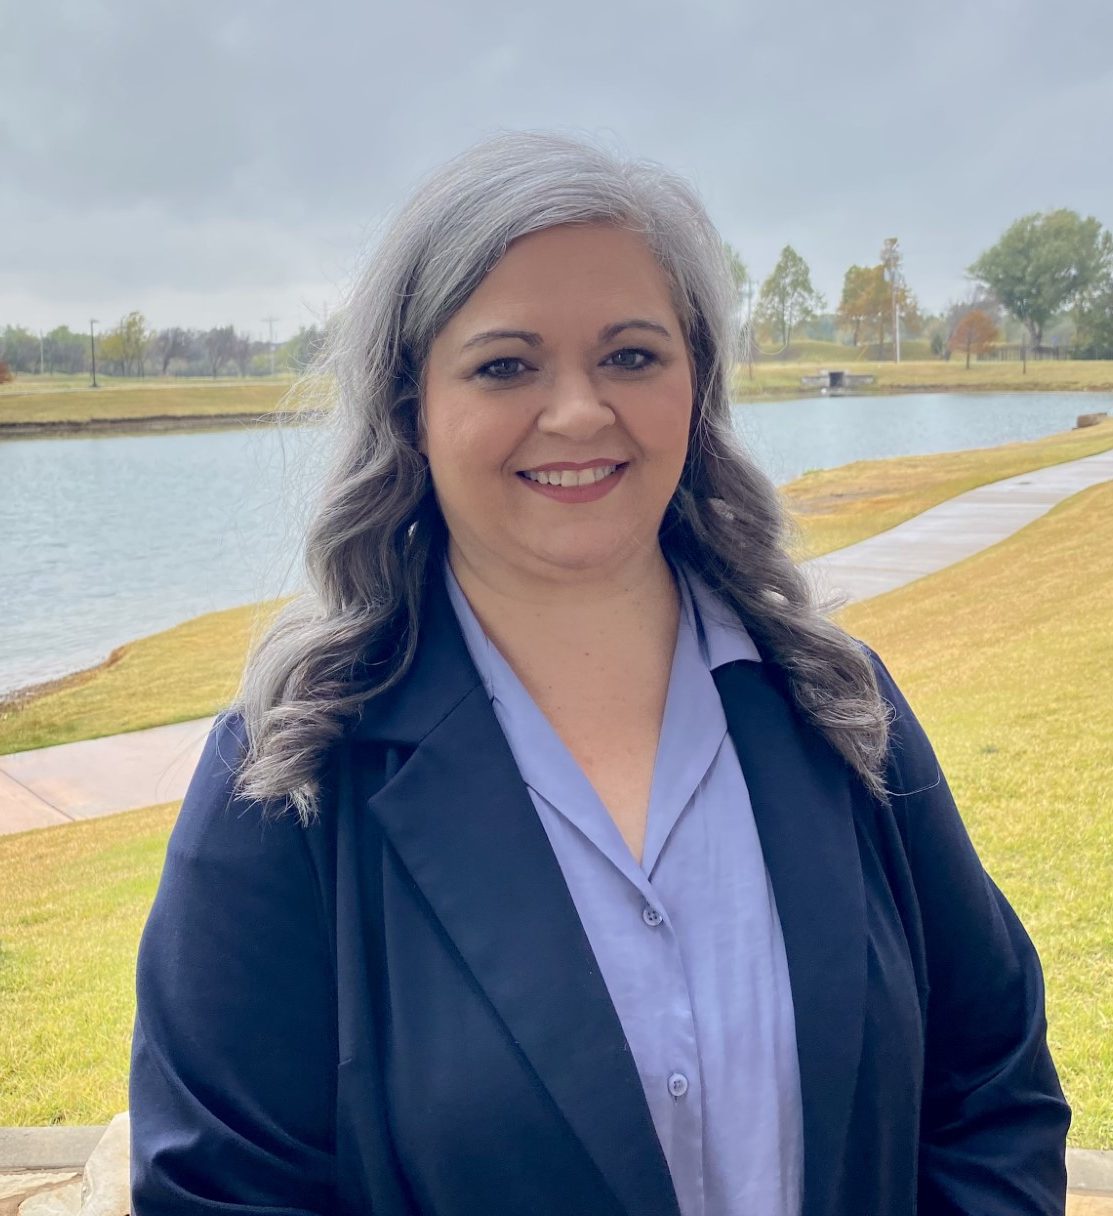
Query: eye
[[500, 369], [633, 359]]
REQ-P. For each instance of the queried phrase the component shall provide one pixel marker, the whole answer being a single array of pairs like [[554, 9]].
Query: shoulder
[[910, 761], [218, 826]]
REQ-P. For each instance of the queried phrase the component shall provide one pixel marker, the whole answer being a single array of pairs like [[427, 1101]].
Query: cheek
[[662, 426], [463, 437]]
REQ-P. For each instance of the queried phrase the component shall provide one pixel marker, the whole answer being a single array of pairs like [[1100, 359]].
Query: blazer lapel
[[802, 805], [461, 819]]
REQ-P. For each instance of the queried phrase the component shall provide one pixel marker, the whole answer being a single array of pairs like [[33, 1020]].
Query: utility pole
[[93, 350], [269, 321], [890, 259], [42, 356], [896, 321]]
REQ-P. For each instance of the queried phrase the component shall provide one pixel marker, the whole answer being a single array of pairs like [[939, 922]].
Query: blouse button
[[678, 1085], [651, 916]]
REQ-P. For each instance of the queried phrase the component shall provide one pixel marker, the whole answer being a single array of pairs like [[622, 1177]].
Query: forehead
[[569, 271]]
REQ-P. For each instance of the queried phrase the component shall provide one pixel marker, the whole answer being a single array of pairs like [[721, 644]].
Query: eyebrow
[[534, 339]]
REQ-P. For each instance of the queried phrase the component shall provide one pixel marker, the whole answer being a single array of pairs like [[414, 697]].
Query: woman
[[560, 856]]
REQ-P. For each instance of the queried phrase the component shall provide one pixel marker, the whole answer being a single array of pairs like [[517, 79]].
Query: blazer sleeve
[[233, 1066], [994, 1123]]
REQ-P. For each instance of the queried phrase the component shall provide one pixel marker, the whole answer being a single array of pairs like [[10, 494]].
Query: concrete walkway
[[55, 785]]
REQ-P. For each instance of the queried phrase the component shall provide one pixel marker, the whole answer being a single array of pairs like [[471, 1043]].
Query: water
[[790, 437], [109, 539]]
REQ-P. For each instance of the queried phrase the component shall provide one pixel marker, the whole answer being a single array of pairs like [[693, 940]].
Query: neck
[[593, 615]]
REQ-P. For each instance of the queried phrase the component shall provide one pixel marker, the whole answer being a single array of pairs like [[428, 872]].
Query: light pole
[[93, 350], [269, 321]]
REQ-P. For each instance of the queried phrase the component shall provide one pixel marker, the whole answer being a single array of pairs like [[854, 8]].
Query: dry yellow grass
[[836, 507], [182, 673], [138, 400], [1007, 658], [192, 670], [933, 375]]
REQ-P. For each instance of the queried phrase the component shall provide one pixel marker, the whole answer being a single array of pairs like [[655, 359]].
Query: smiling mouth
[[568, 478]]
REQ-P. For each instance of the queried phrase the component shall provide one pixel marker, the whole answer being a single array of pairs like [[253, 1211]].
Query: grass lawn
[[136, 399], [1006, 659], [994, 655], [182, 673], [192, 670], [69, 399], [836, 507], [927, 375], [74, 902]]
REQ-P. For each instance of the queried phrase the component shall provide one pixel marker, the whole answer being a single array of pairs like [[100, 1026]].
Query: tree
[[168, 344], [975, 333], [6, 374], [867, 303], [242, 350], [19, 348], [124, 347], [739, 271], [134, 340], [66, 351], [1093, 318], [1044, 263], [219, 344], [300, 351], [863, 299], [787, 296]]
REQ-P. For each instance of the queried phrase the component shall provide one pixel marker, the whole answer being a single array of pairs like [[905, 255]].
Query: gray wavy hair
[[376, 530]]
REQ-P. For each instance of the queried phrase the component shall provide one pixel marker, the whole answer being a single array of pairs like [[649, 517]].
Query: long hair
[[376, 531]]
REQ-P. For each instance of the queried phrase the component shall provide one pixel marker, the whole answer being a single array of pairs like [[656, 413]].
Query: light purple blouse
[[689, 942]]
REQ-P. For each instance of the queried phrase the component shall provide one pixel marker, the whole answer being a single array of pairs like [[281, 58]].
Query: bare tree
[[170, 344], [219, 344]]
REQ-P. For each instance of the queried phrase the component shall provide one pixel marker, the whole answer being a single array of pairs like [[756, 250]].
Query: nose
[[575, 408]]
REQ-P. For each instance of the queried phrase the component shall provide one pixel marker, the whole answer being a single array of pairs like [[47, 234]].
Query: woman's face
[[567, 364]]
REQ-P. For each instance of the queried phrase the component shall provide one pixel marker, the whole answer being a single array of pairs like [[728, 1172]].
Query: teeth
[[570, 477]]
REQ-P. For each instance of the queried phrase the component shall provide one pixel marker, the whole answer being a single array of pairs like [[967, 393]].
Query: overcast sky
[[209, 163]]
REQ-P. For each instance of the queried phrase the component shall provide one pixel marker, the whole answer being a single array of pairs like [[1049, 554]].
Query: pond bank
[[152, 424]]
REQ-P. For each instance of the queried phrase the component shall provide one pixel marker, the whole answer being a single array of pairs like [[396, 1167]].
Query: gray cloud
[[220, 156]]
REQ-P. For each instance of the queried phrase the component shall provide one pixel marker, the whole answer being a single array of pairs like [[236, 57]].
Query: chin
[[583, 554]]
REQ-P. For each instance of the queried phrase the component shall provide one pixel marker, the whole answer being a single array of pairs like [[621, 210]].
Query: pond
[[104, 540]]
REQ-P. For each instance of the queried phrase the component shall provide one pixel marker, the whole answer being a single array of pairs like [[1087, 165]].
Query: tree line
[[132, 348], [1048, 269]]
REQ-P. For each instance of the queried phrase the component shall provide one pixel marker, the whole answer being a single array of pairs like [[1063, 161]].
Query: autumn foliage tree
[[975, 333], [864, 300], [866, 305]]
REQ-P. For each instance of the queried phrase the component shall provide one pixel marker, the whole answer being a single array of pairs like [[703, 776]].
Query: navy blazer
[[396, 1011]]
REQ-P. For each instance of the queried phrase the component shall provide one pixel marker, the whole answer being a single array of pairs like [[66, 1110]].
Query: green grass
[[1006, 659], [74, 902], [836, 507], [1005, 683]]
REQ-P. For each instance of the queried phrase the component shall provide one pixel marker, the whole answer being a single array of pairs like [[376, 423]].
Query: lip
[[570, 494], [559, 466]]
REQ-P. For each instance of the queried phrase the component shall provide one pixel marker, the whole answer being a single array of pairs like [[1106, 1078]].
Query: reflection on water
[[108, 539]]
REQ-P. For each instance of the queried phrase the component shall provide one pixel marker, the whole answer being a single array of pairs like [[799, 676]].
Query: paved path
[[123, 772]]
